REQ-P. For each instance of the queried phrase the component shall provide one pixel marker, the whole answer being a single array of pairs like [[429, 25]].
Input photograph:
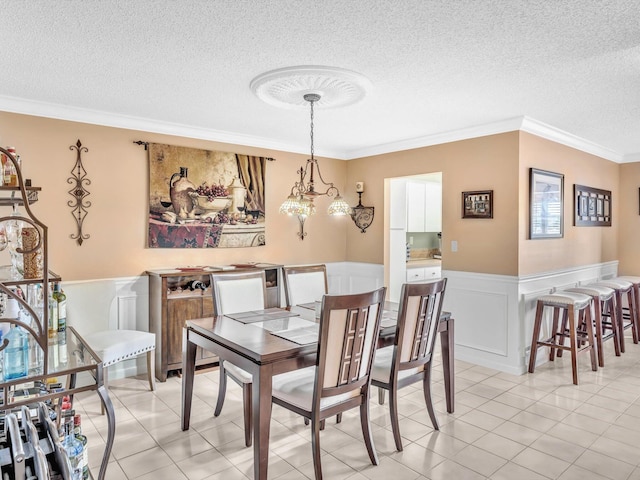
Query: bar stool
[[622, 288], [603, 300], [636, 290], [576, 308]]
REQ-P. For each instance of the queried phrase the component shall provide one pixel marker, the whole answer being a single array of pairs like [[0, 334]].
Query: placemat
[[261, 315], [301, 336]]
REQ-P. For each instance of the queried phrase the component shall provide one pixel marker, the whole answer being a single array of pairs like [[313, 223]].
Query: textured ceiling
[[436, 67]]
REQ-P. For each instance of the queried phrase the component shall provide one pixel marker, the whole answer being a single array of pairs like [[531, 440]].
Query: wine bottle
[[61, 298], [53, 312]]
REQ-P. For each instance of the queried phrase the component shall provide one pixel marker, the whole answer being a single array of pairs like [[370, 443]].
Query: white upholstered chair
[[232, 293], [349, 328], [304, 284], [92, 310], [408, 360]]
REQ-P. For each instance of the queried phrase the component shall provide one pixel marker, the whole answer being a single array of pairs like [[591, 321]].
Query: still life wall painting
[[205, 198]]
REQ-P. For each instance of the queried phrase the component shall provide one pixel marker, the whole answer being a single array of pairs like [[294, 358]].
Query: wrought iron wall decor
[[79, 204], [362, 216], [592, 207]]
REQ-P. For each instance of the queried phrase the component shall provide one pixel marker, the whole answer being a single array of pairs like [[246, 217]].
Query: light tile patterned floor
[[533, 426]]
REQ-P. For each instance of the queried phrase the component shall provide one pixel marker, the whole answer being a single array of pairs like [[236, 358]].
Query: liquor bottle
[[16, 355], [10, 174], [77, 430], [72, 446], [53, 314], [61, 298]]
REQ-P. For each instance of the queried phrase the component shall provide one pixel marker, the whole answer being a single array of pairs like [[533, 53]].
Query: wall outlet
[[410, 240], [454, 245]]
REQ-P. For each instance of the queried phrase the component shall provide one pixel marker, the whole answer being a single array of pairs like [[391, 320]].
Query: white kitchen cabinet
[[424, 206], [423, 274], [416, 204], [433, 207]]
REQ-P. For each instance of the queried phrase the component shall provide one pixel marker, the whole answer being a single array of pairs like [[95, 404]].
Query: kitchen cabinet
[[181, 294], [423, 274], [424, 206]]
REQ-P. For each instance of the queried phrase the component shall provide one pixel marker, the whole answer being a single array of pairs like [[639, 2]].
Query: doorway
[[412, 229]]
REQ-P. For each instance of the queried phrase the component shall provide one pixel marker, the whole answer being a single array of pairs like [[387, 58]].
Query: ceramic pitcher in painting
[[179, 189]]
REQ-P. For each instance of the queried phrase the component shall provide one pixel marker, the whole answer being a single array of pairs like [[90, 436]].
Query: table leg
[[188, 372], [261, 405], [447, 344], [103, 392]]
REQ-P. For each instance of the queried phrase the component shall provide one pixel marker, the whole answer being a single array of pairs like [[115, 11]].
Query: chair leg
[[563, 330], [536, 336], [366, 431], [222, 390], [573, 342], [393, 412], [426, 387], [151, 369], [598, 322], [248, 419], [315, 446], [105, 378], [381, 396], [339, 418], [590, 337]]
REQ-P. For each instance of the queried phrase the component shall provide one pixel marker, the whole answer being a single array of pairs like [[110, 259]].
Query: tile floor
[[528, 427]]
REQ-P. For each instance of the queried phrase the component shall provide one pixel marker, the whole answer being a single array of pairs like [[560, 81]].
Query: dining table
[[277, 340]]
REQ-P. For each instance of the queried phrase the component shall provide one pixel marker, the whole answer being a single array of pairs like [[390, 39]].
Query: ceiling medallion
[[286, 87]]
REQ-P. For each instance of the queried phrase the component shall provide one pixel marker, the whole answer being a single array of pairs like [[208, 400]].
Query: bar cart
[[58, 363]]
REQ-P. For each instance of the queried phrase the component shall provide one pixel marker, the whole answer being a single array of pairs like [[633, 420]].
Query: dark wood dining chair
[[339, 381], [304, 283], [232, 293], [408, 360]]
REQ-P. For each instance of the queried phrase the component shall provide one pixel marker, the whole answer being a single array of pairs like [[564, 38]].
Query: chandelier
[[304, 191]]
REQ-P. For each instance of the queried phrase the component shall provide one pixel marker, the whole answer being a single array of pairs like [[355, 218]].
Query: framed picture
[[592, 207], [546, 204], [478, 204]]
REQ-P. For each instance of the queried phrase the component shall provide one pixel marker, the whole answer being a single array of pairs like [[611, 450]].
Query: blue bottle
[[16, 355]]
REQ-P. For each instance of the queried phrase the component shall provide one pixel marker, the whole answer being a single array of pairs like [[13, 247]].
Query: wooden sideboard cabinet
[[181, 294]]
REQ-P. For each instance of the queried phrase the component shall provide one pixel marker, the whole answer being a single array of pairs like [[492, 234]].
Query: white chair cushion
[[564, 299], [381, 369], [615, 283], [238, 373], [296, 388], [629, 278], [114, 346], [600, 291]]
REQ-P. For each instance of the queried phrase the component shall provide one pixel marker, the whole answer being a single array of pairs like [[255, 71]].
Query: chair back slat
[[235, 292], [418, 317], [349, 326], [304, 284]]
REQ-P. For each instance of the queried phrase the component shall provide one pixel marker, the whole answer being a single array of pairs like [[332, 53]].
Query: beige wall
[[117, 218], [580, 245], [629, 224], [485, 163]]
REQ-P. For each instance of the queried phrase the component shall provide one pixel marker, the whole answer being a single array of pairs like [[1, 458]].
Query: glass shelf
[[8, 279], [12, 195]]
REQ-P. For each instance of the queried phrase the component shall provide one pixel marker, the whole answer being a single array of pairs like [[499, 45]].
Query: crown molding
[[494, 128], [107, 119], [554, 134]]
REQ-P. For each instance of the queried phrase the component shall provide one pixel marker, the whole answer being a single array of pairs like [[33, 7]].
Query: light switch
[[454, 245], [410, 240]]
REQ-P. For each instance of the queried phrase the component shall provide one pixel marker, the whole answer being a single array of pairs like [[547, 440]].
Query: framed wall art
[[546, 204], [477, 204], [592, 207]]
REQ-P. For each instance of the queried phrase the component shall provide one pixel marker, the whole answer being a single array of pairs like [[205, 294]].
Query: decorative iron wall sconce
[[79, 204], [362, 216]]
